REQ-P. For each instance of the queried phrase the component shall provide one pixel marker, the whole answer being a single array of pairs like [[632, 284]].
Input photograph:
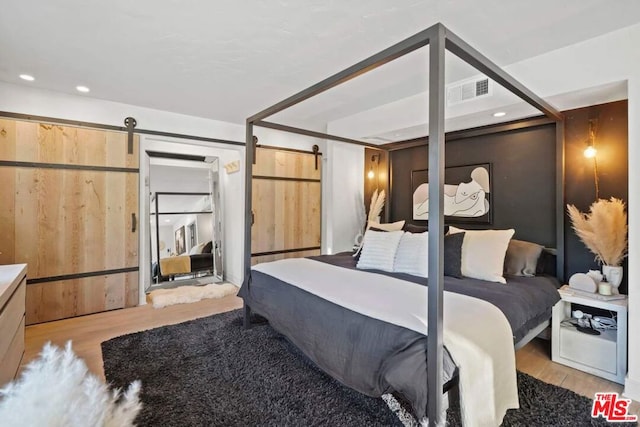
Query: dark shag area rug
[[212, 372]]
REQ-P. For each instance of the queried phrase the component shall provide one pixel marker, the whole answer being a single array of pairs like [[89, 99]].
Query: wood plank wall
[[63, 221], [287, 212]]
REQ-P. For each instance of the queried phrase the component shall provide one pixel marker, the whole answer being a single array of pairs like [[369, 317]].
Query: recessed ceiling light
[[27, 77], [499, 114], [82, 89], [167, 220]]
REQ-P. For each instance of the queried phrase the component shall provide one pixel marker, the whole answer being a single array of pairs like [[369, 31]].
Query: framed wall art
[[180, 241], [467, 194]]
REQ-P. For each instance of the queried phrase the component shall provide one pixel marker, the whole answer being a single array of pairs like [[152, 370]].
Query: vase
[[613, 273]]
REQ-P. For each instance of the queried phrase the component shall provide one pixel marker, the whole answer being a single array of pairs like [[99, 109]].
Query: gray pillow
[[412, 228], [453, 255], [521, 258]]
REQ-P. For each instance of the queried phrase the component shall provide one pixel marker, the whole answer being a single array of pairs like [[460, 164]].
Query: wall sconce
[[590, 152], [374, 158]]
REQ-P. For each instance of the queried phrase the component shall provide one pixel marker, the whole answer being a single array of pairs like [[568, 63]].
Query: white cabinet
[[604, 355], [13, 279]]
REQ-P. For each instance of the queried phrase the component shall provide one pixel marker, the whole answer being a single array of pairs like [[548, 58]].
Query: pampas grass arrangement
[[603, 230], [375, 208]]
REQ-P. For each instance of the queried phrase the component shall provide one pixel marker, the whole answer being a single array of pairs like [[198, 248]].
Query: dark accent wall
[[523, 179], [523, 176], [612, 144]]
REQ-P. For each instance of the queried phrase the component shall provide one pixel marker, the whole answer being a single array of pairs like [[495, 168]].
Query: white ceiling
[[229, 59]]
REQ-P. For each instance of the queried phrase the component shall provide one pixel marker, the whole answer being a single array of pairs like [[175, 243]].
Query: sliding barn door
[[69, 209], [287, 197]]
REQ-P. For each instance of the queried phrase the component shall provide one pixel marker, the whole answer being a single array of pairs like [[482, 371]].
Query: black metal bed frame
[[439, 39]]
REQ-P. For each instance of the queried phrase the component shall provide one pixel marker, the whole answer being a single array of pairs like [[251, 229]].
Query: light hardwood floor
[[87, 332]]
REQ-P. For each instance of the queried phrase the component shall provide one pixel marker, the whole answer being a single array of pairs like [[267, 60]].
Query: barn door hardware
[[315, 149], [130, 123], [255, 145]]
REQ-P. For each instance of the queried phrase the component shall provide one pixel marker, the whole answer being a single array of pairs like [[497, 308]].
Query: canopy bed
[[330, 305]]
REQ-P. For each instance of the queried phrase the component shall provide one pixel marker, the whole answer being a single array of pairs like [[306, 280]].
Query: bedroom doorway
[[184, 220]]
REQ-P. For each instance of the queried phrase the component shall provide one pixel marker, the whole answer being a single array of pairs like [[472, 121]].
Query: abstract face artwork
[[464, 197]]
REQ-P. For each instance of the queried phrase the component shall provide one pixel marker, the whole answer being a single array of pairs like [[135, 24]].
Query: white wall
[[166, 236], [345, 185], [27, 100], [204, 227]]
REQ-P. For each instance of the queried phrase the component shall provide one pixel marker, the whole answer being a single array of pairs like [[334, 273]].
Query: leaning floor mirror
[[185, 221]]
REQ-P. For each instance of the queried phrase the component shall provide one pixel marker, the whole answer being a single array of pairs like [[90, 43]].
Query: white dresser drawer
[[596, 351]]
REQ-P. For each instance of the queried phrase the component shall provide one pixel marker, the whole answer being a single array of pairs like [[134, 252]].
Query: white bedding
[[476, 333]]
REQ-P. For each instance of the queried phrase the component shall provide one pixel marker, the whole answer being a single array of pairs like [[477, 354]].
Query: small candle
[[604, 288]]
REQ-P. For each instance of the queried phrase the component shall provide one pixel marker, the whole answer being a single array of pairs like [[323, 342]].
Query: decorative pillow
[[521, 258], [547, 262], [197, 249], [208, 248], [412, 228], [392, 226], [453, 255], [376, 226], [411, 257], [483, 253], [379, 250], [413, 251]]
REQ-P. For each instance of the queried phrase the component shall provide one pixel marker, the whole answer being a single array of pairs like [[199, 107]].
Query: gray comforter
[[376, 357]]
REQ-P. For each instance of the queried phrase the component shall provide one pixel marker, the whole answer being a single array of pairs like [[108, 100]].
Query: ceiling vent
[[468, 90]]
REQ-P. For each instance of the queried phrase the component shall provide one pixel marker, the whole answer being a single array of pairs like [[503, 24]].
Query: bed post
[[436, 225], [248, 215], [560, 200]]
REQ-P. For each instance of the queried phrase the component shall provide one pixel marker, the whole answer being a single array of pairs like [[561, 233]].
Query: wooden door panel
[[69, 298], [49, 143], [298, 254], [70, 221], [287, 215], [7, 215], [286, 164]]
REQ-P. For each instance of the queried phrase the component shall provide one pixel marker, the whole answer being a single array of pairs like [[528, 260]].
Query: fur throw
[[57, 389], [186, 294]]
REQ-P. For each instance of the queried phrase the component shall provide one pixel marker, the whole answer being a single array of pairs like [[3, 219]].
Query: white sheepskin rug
[[185, 294], [58, 390]]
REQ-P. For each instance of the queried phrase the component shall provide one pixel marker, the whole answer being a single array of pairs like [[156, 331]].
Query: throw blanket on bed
[[175, 265], [476, 333]]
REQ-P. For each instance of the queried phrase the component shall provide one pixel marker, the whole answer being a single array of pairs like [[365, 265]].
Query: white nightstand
[[604, 355]]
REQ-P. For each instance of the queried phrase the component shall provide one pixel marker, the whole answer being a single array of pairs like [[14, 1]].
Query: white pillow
[[392, 226], [379, 250], [197, 249], [411, 256], [483, 253]]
